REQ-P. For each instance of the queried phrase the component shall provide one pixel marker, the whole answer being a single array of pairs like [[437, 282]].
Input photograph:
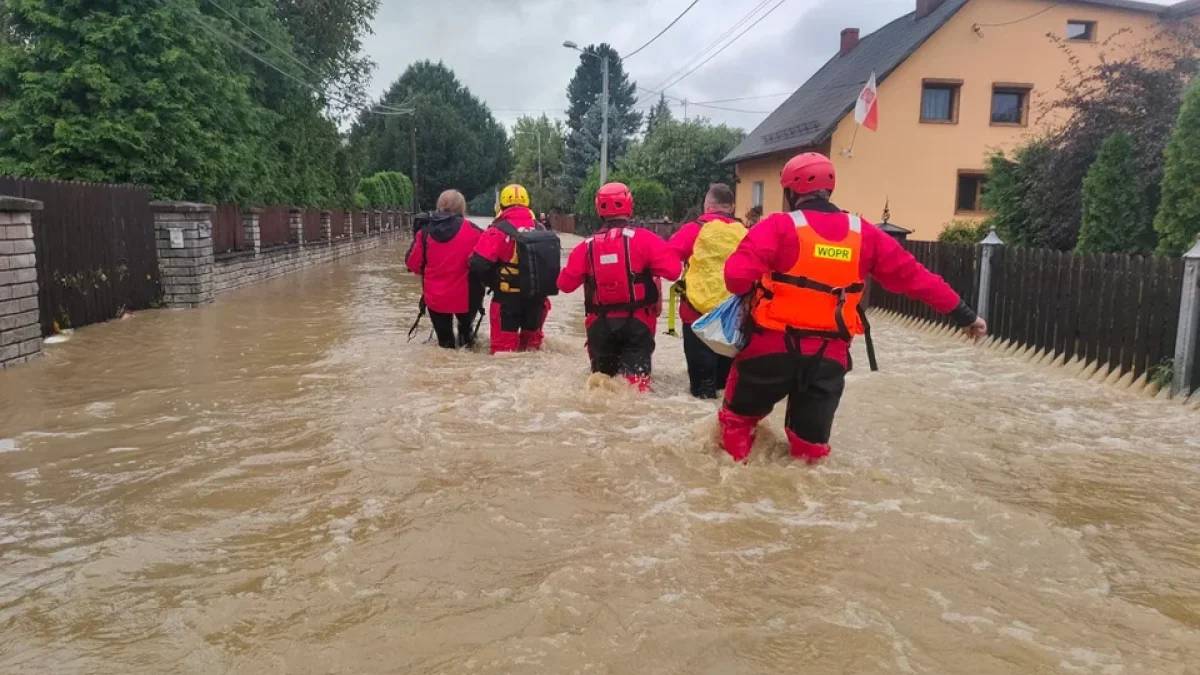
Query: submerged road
[[279, 483]]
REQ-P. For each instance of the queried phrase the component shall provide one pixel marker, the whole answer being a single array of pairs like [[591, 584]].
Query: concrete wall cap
[[13, 204], [181, 207], [252, 209]]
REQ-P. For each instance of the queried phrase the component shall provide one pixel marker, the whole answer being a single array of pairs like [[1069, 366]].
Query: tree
[[125, 95], [1178, 220], [327, 35], [1014, 196], [1139, 93], [538, 147], [459, 144], [661, 112], [583, 95], [162, 94], [386, 189], [651, 199], [1115, 217], [685, 157]]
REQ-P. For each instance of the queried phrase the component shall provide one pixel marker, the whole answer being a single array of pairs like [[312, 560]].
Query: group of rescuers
[[802, 273]]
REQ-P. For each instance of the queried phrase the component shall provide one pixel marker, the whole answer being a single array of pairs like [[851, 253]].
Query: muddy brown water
[[279, 483]]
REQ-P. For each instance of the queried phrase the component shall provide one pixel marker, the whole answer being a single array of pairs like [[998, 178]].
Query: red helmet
[[807, 173], [614, 200]]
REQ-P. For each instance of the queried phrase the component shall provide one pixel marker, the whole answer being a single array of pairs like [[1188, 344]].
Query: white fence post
[[991, 244], [1189, 324]]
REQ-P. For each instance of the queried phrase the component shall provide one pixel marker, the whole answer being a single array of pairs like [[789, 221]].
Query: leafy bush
[[651, 200], [964, 232]]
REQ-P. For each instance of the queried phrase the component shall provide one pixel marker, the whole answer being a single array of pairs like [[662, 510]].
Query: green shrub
[[964, 232]]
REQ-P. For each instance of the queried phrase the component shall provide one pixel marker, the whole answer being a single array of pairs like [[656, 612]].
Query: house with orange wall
[[957, 80]]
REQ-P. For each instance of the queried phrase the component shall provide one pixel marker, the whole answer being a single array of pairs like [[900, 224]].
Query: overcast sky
[[509, 53]]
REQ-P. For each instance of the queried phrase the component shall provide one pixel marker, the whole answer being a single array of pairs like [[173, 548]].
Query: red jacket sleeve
[[769, 246], [664, 261], [416, 255], [684, 241], [899, 272], [492, 245], [572, 275]]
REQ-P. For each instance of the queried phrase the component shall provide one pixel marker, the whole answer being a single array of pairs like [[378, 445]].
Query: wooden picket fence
[[1120, 312]]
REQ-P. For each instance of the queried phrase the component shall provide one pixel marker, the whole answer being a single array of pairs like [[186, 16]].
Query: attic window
[[1081, 31]]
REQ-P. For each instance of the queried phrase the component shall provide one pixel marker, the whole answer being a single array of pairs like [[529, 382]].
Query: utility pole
[[413, 129], [541, 183], [604, 122], [685, 103]]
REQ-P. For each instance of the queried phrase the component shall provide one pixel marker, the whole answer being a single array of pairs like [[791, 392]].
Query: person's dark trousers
[[443, 325], [813, 389], [707, 370], [620, 345]]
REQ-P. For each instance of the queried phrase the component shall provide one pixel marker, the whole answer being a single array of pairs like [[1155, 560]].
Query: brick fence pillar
[[296, 222], [327, 225], [366, 220], [20, 321], [251, 227], [376, 221], [183, 231]]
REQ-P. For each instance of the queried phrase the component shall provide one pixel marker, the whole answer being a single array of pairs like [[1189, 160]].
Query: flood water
[[279, 483]]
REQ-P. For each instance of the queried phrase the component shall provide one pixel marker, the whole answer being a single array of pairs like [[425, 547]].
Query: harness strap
[[809, 284]]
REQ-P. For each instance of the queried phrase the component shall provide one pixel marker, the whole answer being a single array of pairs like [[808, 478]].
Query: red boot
[[639, 382], [812, 453], [737, 433]]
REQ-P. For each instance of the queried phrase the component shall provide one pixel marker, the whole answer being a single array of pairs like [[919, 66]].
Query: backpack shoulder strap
[[507, 228]]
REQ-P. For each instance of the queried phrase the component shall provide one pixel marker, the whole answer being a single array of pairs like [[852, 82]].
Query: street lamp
[[604, 109]]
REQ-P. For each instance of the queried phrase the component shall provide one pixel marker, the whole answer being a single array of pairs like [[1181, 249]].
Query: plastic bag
[[724, 328]]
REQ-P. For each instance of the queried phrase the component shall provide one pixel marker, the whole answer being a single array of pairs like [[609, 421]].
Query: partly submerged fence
[[1117, 312], [95, 248]]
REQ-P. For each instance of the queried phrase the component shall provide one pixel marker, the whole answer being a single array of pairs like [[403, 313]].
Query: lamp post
[[604, 108]]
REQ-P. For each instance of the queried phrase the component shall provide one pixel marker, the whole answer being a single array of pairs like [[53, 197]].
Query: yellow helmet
[[514, 195]]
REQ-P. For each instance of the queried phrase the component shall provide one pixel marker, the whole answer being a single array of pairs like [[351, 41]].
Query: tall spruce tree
[[1178, 220], [1115, 216], [583, 95]]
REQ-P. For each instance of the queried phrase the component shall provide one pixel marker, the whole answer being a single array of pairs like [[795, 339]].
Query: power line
[[287, 53], [716, 42], [745, 98], [727, 44], [660, 33], [199, 20]]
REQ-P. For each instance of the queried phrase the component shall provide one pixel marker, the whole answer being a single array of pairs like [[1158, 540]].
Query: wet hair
[[720, 196], [452, 201], [795, 200], [754, 215]]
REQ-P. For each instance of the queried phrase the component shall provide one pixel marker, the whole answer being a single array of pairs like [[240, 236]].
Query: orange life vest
[[819, 296]]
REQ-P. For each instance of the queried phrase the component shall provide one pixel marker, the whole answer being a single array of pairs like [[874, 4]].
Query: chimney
[[849, 40], [926, 7]]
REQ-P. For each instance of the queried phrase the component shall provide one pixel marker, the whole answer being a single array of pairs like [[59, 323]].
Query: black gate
[[96, 255]]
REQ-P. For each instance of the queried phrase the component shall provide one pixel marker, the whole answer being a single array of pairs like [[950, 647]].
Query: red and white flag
[[866, 110]]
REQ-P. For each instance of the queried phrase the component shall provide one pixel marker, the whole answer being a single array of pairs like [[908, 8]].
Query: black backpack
[[539, 260]]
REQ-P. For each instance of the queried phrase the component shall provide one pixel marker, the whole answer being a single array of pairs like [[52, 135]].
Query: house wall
[[767, 170], [914, 166]]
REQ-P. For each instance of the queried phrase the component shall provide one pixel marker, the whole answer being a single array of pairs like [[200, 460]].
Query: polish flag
[[866, 110]]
